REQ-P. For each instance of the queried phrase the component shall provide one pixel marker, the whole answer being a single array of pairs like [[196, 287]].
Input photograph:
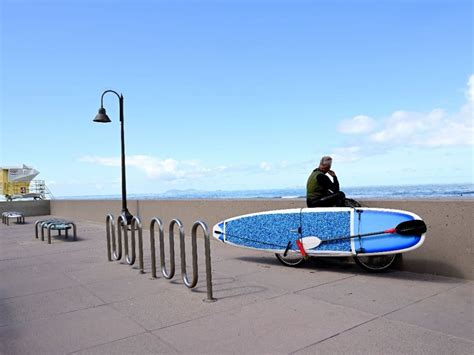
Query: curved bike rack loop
[[182, 247], [38, 223], [155, 221], [207, 252], [114, 253], [122, 227], [110, 226], [173, 223], [137, 225]]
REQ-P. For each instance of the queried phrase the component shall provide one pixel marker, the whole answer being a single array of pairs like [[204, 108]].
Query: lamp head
[[102, 116]]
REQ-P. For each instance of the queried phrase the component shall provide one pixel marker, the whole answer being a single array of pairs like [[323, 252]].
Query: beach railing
[[114, 250]]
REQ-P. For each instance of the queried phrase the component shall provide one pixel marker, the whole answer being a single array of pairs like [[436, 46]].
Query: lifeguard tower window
[[16, 182]]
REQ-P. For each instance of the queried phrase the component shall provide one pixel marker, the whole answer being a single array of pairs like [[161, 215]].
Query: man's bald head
[[325, 163]]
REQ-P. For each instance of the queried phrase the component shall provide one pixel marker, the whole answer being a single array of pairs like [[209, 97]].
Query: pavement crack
[[109, 342], [335, 335], [425, 298], [323, 284]]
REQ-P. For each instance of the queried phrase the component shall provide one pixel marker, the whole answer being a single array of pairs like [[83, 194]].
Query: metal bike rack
[[52, 223], [20, 217], [53, 226], [115, 254], [40, 224]]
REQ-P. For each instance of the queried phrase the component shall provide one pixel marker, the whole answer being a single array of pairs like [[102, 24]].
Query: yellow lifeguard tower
[[15, 182]]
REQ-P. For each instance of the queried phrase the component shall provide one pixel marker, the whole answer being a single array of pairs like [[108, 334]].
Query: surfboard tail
[[218, 231]]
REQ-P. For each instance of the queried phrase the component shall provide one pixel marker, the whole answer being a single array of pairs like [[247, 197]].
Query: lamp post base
[[128, 216]]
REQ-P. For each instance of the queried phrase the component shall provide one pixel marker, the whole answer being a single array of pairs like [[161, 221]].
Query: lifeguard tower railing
[[39, 187], [35, 189]]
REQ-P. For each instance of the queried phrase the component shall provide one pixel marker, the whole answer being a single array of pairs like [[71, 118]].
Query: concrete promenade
[[66, 298]]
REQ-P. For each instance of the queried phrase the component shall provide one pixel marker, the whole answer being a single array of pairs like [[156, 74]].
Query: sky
[[237, 95]]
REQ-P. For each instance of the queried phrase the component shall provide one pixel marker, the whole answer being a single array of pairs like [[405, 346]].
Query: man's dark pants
[[333, 200]]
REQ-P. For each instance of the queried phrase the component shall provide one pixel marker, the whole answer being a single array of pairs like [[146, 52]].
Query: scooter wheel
[[292, 259], [376, 263]]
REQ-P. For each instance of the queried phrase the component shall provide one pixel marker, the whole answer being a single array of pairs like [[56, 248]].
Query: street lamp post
[[103, 118]]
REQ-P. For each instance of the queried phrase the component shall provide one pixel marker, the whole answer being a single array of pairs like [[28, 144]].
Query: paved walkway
[[67, 298]]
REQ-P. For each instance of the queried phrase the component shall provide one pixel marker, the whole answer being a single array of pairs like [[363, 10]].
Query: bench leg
[[74, 231]]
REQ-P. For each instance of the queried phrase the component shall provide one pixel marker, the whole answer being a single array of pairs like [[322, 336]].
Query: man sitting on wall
[[322, 188]]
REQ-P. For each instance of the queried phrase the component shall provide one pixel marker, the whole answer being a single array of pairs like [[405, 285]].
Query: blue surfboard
[[278, 230]]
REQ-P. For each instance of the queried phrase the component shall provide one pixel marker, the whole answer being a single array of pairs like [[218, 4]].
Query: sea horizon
[[419, 191]]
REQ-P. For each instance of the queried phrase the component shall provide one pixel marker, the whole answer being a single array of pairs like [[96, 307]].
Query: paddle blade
[[310, 242], [414, 227]]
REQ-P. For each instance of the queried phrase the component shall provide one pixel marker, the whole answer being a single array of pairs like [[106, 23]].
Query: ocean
[[437, 191]]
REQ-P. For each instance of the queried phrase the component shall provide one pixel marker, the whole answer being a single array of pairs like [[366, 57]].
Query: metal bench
[[55, 224], [20, 217]]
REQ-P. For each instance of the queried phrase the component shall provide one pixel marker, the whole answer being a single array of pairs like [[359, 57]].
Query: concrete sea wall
[[29, 208], [447, 249]]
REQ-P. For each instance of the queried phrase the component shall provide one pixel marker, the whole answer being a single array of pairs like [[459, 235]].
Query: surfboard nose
[[218, 231]]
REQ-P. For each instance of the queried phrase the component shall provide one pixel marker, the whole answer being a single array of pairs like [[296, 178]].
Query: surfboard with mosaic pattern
[[277, 231]]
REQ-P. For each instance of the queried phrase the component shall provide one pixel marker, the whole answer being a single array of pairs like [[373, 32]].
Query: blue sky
[[237, 94]]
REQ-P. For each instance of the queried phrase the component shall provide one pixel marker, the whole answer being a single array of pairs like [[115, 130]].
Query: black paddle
[[413, 227]]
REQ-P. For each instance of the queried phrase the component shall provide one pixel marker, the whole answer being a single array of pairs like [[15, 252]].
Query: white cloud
[[174, 171], [265, 166], [436, 128], [346, 154], [156, 168], [357, 125], [470, 88]]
